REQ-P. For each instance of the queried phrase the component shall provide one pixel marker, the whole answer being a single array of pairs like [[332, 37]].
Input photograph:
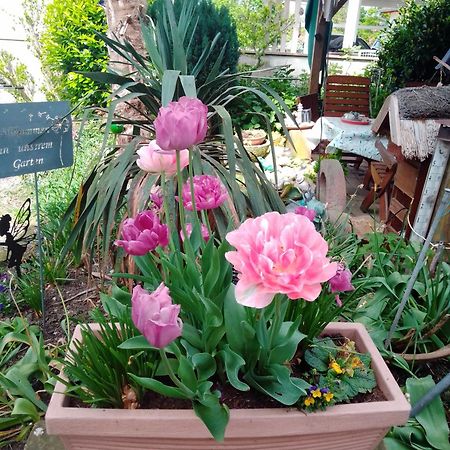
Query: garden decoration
[[35, 137], [213, 324], [16, 237]]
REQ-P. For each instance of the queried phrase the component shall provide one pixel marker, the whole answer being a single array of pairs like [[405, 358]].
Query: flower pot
[[359, 426], [253, 137]]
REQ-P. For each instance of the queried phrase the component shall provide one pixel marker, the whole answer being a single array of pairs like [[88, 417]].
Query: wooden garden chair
[[381, 175], [346, 94]]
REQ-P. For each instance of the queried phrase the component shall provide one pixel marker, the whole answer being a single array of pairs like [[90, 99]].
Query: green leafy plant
[[161, 76], [388, 262], [409, 43], [250, 112], [429, 429], [23, 367], [215, 24], [259, 24], [15, 73], [69, 44], [338, 373]]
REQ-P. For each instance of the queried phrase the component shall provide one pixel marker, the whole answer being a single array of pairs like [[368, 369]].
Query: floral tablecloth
[[357, 139]]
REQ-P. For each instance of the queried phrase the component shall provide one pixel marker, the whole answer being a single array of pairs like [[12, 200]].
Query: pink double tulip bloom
[[204, 231], [155, 316], [209, 193], [342, 281], [307, 212], [181, 124], [143, 234], [154, 160], [278, 253]]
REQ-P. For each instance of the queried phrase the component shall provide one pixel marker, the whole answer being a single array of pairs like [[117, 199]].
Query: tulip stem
[[166, 210], [180, 195], [276, 321], [173, 377]]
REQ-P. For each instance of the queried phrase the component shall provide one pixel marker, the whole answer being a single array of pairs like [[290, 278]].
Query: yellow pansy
[[336, 367], [309, 401], [328, 396], [316, 393]]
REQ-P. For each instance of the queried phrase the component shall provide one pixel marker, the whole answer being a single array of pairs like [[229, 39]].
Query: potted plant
[[211, 320]]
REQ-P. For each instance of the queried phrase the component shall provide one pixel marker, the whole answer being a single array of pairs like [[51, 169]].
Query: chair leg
[[383, 207], [367, 179], [367, 202]]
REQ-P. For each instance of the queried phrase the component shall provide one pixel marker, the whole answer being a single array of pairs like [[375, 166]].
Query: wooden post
[[317, 57], [431, 189]]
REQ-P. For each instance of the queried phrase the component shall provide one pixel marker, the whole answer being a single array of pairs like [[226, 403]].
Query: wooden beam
[[318, 51], [338, 5]]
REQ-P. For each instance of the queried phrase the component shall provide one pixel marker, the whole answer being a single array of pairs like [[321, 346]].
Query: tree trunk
[[123, 24], [123, 18]]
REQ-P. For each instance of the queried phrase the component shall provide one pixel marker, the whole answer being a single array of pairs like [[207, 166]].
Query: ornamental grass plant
[[207, 312]]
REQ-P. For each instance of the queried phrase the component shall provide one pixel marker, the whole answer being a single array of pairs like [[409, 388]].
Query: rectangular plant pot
[[359, 426]]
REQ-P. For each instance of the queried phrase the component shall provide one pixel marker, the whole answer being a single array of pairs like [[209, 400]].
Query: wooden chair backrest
[[345, 94]]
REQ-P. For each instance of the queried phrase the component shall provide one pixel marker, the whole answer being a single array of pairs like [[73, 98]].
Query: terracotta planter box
[[342, 427]]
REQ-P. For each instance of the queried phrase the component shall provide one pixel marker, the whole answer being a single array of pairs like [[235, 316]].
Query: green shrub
[[212, 20], [70, 44], [248, 110], [411, 41]]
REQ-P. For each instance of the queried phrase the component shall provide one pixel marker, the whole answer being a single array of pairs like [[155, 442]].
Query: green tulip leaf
[[23, 407], [205, 365], [233, 363], [136, 343], [213, 414], [432, 418], [158, 387]]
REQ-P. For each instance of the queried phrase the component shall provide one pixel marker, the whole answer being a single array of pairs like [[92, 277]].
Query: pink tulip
[[155, 316], [154, 160], [307, 212], [181, 124], [209, 193], [278, 253], [342, 281], [156, 197], [338, 300], [143, 234], [203, 230]]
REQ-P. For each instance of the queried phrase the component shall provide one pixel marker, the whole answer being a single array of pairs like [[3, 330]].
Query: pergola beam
[[319, 43]]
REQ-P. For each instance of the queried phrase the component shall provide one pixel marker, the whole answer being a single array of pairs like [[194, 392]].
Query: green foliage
[[248, 111], [15, 73], [97, 368], [259, 24], [429, 429], [411, 41], [163, 75], [387, 264], [23, 366], [70, 44], [338, 373], [212, 20], [371, 17]]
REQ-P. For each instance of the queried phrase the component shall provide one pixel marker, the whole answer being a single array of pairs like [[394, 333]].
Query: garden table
[[350, 138]]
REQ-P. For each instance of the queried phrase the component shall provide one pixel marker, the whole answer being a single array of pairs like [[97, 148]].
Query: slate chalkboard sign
[[34, 137]]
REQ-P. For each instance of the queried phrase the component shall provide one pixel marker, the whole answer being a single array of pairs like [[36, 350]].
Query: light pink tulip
[[342, 281], [155, 316], [154, 160], [143, 234], [181, 124], [209, 193], [307, 212], [278, 253], [204, 231]]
